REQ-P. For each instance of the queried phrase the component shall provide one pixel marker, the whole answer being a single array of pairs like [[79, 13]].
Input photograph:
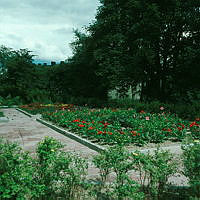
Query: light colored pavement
[[27, 132]]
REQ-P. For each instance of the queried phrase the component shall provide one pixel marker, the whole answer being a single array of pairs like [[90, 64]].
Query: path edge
[[66, 133]]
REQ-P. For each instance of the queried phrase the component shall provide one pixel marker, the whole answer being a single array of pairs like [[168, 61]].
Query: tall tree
[[142, 41]]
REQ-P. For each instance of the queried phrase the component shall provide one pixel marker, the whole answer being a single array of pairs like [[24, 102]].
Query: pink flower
[[162, 108], [147, 118]]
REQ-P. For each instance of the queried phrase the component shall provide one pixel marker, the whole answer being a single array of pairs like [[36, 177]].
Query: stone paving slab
[[28, 132], [3, 119]]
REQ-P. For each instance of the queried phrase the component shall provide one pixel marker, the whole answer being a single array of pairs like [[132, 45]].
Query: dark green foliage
[[16, 173], [52, 174], [191, 160], [189, 111], [148, 42], [9, 101], [1, 114], [20, 78]]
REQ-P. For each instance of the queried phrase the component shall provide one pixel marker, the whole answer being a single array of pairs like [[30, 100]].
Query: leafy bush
[[191, 160], [154, 170], [1, 114], [61, 173], [188, 111], [116, 159], [16, 173], [51, 174], [9, 101]]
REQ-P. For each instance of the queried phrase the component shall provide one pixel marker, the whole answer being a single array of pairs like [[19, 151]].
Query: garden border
[[68, 134], [95, 147], [24, 112]]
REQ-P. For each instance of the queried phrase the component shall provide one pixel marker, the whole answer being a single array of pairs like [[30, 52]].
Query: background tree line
[[151, 43]]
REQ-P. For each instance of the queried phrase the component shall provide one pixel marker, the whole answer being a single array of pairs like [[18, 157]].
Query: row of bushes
[[9, 101], [185, 111], [54, 174], [188, 111]]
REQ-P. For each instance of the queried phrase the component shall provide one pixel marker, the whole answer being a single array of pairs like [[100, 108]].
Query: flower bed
[[111, 126], [39, 108], [123, 126]]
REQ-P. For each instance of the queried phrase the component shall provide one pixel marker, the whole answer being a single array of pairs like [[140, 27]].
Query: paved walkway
[[28, 132]]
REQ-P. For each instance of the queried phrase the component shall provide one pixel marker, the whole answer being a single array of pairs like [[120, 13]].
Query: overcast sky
[[44, 26]]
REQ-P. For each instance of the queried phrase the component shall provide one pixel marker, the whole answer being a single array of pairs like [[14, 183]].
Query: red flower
[[194, 124], [106, 124], [83, 122], [110, 133], [76, 120], [134, 133], [167, 129], [81, 125], [179, 128], [90, 128], [99, 132], [183, 126], [142, 111]]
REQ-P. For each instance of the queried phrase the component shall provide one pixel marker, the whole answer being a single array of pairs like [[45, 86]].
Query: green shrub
[[60, 172], [52, 174], [9, 101], [116, 159], [1, 114], [16, 173], [191, 160], [154, 170], [188, 111]]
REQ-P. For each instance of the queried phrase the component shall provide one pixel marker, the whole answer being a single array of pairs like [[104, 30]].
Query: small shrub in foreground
[[191, 160], [154, 169]]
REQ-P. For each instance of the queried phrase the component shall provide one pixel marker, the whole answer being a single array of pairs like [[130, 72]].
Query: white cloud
[[44, 26]]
